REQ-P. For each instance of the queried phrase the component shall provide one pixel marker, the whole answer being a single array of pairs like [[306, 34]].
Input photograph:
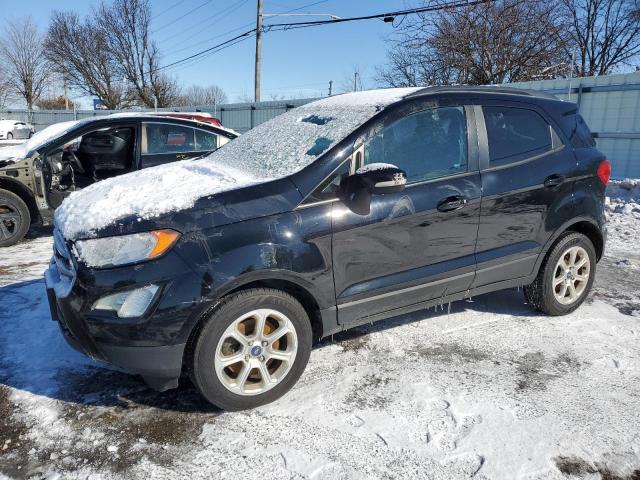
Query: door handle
[[554, 180], [454, 202]]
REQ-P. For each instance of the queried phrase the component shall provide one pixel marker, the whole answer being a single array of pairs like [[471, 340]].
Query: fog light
[[129, 304]]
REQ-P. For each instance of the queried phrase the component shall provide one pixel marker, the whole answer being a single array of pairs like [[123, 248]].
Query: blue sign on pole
[[98, 105]]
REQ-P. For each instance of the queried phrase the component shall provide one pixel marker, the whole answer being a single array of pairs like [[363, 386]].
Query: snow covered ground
[[10, 143], [490, 390]]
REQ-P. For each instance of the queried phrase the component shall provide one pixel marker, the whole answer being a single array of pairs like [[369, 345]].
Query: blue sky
[[295, 62]]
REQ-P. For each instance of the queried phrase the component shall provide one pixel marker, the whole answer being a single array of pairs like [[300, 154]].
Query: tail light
[[604, 171]]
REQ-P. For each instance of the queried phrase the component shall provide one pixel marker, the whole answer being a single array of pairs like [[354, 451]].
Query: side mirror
[[375, 178]]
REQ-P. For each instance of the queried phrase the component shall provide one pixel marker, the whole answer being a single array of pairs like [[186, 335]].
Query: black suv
[[348, 210]]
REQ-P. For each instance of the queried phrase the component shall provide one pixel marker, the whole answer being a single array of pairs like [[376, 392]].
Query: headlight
[[125, 249]]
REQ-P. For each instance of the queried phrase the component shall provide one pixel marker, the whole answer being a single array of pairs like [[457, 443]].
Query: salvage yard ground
[[491, 389]]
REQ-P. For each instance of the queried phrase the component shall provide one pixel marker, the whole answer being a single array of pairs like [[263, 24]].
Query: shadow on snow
[[35, 357]]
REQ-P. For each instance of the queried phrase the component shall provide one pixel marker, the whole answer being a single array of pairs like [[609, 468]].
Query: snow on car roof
[[277, 148]]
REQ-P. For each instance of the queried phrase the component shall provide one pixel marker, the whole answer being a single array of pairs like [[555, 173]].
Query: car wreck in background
[[36, 176]]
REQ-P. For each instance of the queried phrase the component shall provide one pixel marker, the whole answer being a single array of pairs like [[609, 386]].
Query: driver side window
[[426, 145]]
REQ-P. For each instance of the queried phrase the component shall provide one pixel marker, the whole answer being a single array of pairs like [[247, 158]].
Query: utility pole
[[355, 81], [330, 87], [258, 51], [66, 91]]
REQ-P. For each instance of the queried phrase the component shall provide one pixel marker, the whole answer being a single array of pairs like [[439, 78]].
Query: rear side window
[[515, 134], [160, 138]]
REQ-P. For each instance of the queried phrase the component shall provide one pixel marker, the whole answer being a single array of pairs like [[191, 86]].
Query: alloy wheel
[[256, 352], [571, 275], [9, 221]]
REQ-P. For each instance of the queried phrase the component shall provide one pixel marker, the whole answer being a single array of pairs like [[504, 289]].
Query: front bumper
[[159, 365]]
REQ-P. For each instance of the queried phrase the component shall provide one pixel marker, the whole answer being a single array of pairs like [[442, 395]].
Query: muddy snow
[[491, 389]]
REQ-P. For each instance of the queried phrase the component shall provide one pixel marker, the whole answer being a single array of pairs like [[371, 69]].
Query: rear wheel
[[252, 349], [14, 218], [565, 277]]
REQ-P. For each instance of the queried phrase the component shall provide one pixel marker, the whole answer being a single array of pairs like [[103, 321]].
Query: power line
[[201, 42], [294, 25], [207, 50], [389, 16], [167, 9], [218, 16], [182, 16], [209, 54], [182, 49]]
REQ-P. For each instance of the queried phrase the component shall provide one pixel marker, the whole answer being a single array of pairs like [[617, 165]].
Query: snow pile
[[145, 194], [623, 213], [274, 149]]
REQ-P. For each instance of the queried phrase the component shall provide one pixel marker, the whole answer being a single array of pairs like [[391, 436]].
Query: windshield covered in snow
[[293, 140]]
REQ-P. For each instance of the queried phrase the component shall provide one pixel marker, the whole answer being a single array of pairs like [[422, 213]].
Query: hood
[[11, 154], [145, 195]]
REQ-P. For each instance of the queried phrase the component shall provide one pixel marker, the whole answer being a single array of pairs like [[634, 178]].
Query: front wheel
[[565, 277], [15, 218], [9, 136], [252, 349]]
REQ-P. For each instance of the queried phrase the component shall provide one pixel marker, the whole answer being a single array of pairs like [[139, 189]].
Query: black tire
[[30, 135], [203, 373], [15, 218], [540, 293], [9, 136]]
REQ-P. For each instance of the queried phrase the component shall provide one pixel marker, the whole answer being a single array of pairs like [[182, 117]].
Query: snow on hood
[[274, 149], [145, 194], [12, 153]]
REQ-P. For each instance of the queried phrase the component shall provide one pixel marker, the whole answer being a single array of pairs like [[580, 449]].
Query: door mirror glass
[[375, 178]]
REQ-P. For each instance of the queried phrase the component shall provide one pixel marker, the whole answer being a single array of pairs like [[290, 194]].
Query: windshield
[[51, 132], [293, 140]]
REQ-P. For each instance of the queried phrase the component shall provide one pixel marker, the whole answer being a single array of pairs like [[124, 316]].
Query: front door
[[418, 244], [76, 163]]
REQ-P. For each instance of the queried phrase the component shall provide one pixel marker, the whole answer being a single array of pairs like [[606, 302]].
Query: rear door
[[418, 244], [527, 185], [163, 142]]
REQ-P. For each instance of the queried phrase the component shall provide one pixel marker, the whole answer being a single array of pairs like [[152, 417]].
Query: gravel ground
[[491, 389]]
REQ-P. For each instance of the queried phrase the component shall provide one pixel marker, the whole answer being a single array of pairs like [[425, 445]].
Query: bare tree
[[605, 34], [22, 48], [78, 49], [53, 103], [125, 26], [487, 43], [5, 86], [199, 95]]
